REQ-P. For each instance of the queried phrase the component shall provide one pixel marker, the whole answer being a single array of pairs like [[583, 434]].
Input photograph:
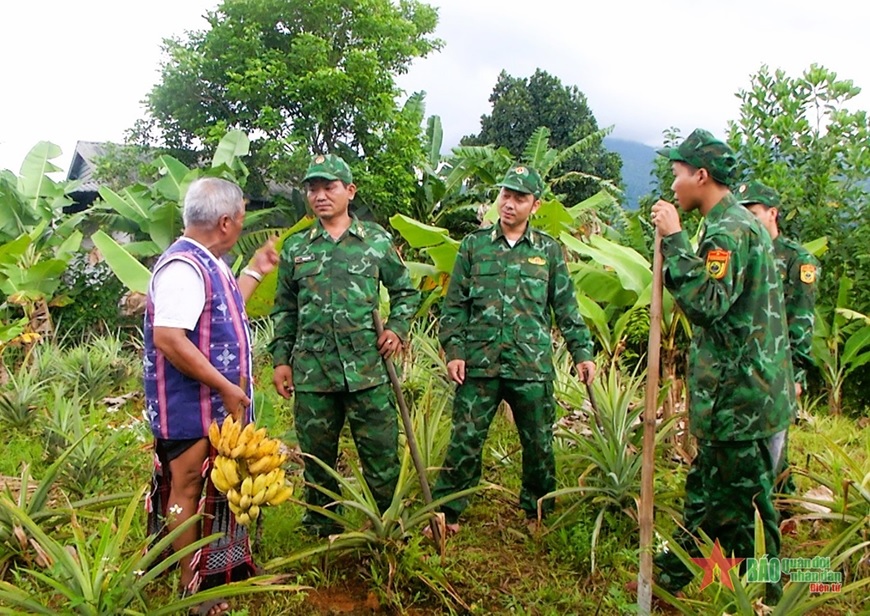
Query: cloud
[[79, 70], [644, 66]]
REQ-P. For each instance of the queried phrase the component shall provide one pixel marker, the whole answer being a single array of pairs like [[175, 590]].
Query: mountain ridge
[[637, 166]]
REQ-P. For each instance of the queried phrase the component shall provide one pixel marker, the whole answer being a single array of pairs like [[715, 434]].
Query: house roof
[[83, 164], [86, 153]]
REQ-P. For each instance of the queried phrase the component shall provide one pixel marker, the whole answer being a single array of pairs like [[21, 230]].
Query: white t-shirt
[[178, 292]]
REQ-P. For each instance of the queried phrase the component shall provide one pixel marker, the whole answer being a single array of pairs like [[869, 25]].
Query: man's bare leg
[[185, 491]]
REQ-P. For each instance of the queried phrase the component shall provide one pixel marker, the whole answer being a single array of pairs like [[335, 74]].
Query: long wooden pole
[[647, 495], [409, 430]]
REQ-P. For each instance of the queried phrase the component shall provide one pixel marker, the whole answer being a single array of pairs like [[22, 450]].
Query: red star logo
[[716, 561]]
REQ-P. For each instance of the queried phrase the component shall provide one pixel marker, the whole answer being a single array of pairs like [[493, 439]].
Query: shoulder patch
[[808, 273], [717, 263]]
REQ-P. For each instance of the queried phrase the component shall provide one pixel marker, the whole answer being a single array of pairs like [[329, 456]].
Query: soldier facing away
[[325, 346], [799, 271], [495, 330], [741, 396]]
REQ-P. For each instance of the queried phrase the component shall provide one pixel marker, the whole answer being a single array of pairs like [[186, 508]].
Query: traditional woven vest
[[177, 406]]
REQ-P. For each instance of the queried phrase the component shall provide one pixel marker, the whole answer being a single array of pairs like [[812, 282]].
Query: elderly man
[[198, 370]]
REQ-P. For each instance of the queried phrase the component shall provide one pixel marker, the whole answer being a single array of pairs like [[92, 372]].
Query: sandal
[[205, 608], [450, 530]]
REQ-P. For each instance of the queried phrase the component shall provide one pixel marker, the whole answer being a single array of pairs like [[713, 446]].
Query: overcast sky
[[78, 70]]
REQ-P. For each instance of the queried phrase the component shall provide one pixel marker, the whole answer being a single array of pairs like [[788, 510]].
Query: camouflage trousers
[[371, 414], [785, 485], [474, 408], [728, 481]]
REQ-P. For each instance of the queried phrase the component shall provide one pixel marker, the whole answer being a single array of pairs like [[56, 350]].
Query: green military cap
[[756, 192], [328, 167], [523, 179], [702, 150]]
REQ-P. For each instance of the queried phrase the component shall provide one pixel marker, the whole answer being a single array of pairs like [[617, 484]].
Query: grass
[[495, 565]]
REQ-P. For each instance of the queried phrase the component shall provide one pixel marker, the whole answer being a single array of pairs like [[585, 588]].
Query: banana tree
[[151, 212], [841, 344], [136, 276], [620, 279], [37, 239], [435, 242]]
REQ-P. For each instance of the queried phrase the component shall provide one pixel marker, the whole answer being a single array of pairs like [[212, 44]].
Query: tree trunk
[[834, 403], [39, 324]]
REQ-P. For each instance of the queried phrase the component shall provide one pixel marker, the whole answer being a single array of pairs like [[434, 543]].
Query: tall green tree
[[521, 105], [299, 77], [799, 135]]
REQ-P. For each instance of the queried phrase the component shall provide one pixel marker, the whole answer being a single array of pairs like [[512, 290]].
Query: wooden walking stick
[[409, 431], [590, 395], [644, 581]]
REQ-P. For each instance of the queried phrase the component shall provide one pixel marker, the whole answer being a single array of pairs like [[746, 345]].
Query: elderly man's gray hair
[[208, 199]]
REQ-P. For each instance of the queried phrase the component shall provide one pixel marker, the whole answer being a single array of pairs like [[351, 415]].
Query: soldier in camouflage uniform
[[798, 270], [325, 346], [495, 330], [740, 381]]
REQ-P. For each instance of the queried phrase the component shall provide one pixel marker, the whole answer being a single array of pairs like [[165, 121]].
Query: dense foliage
[[319, 76], [521, 105], [299, 77], [799, 135]]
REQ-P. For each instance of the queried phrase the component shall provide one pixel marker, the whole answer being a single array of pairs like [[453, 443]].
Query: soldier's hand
[[798, 390], [456, 371], [665, 218], [282, 378], [235, 400], [586, 371], [389, 344]]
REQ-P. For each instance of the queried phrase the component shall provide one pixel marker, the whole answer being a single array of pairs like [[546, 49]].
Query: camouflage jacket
[[323, 306], [497, 314], [740, 374], [799, 271]]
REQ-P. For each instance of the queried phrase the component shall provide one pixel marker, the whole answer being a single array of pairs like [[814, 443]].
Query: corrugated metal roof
[[83, 163], [86, 153]]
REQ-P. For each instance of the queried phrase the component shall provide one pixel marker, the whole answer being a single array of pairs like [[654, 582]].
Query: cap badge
[[319, 159]]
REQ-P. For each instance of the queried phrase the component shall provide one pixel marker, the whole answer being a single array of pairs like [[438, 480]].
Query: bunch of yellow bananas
[[248, 469]]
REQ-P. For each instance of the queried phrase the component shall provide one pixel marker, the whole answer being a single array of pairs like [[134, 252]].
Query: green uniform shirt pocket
[[534, 280], [482, 348], [307, 269], [532, 353], [362, 284], [315, 343], [362, 267], [532, 334], [482, 334], [487, 277]]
